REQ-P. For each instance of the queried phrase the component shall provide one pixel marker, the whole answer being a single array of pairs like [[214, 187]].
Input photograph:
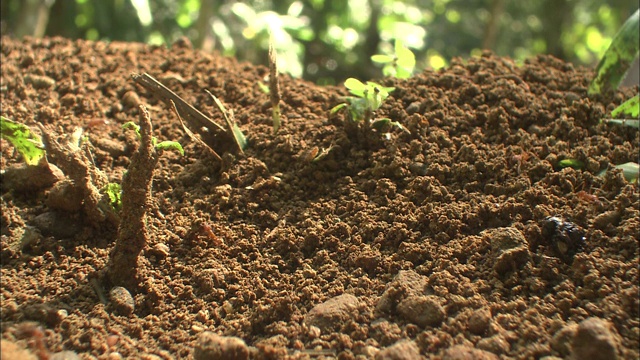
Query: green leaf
[[572, 163], [389, 70], [380, 124], [630, 171], [20, 136], [384, 89], [134, 126], [240, 138], [382, 59], [114, 192], [264, 88], [406, 61], [626, 114], [406, 58], [377, 94], [355, 86], [337, 108], [170, 145], [619, 56], [628, 109]]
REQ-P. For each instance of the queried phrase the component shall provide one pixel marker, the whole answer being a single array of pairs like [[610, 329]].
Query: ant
[[585, 196]]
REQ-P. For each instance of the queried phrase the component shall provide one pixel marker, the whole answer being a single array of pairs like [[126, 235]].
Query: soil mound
[[458, 237]]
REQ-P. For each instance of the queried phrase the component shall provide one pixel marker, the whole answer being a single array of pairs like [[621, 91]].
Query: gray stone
[[422, 310], [122, 301], [510, 250], [332, 314], [26, 178], [65, 196], [407, 283], [58, 225]]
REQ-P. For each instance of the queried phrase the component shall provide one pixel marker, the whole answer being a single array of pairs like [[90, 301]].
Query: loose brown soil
[[437, 234]]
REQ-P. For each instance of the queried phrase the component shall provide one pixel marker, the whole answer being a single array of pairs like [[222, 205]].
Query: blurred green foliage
[[326, 41]]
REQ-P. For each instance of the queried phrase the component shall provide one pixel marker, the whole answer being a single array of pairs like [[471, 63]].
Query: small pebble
[[331, 314], [496, 344], [160, 250], [114, 356], [463, 352], [479, 321], [413, 108], [211, 346], [114, 148], [65, 196], [130, 99], [122, 301], [406, 283], [64, 355], [58, 225], [39, 81], [30, 179], [509, 249], [424, 310], [418, 168], [403, 349], [112, 340]]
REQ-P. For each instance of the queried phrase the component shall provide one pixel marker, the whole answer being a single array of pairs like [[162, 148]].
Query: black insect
[[566, 238]]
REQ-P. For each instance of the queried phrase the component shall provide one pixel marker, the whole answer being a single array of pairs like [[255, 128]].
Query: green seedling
[[28, 144], [264, 88], [163, 145], [624, 48], [114, 192], [630, 171], [368, 99], [274, 87], [239, 137], [400, 64], [572, 163], [626, 114]]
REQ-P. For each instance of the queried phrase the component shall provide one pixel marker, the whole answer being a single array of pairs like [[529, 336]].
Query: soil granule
[[426, 241]]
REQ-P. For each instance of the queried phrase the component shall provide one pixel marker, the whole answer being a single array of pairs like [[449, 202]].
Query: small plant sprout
[[630, 171], [624, 48], [572, 163], [28, 144], [368, 99], [400, 64], [626, 114], [238, 136], [163, 145], [114, 192], [274, 87]]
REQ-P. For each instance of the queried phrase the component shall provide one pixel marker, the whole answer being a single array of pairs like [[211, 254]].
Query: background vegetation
[[326, 41]]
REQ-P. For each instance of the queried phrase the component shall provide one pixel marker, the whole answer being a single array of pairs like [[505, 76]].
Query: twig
[[215, 136], [122, 269]]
